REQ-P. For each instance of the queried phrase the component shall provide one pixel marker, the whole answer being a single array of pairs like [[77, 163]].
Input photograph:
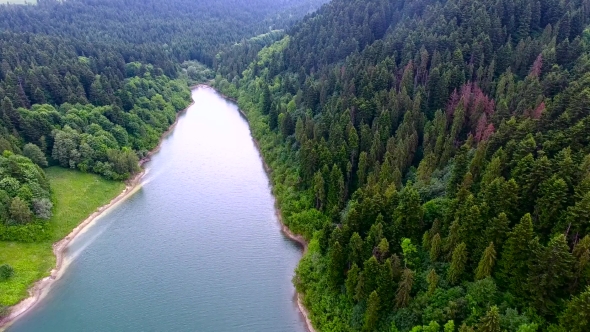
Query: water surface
[[198, 248]]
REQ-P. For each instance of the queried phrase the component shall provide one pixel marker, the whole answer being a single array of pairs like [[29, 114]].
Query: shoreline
[[284, 228], [41, 287]]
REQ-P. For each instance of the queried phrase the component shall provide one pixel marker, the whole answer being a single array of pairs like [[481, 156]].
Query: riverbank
[[41, 287], [284, 228]]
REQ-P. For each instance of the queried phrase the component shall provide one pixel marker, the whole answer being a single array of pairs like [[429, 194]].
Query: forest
[[434, 153], [436, 156], [91, 86]]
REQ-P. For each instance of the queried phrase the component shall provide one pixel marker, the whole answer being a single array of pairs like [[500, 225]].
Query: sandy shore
[[284, 228], [41, 288]]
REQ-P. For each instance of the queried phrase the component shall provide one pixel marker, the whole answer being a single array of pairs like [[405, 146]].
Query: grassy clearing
[[77, 195]]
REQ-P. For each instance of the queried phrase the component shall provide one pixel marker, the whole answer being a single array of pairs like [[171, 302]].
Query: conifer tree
[[372, 313], [432, 280], [576, 316], [516, 254], [402, 297], [581, 253], [457, 264], [337, 263], [486, 264], [352, 279], [355, 249], [491, 321], [497, 230], [319, 188], [550, 272], [435, 247]]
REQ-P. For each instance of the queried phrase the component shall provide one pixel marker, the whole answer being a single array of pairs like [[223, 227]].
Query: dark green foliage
[[6, 272], [452, 124]]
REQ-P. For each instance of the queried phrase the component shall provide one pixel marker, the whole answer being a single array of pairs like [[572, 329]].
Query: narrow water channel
[[198, 248]]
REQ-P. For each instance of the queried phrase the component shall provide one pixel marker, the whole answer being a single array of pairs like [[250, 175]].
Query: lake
[[197, 248]]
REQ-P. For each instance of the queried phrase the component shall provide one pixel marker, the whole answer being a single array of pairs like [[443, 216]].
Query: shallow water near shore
[[197, 248]]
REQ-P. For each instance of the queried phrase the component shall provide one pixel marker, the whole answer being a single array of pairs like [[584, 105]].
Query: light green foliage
[[410, 253], [77, 195], [449, 326]]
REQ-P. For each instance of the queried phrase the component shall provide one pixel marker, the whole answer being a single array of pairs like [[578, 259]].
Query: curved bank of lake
[[197, 248]]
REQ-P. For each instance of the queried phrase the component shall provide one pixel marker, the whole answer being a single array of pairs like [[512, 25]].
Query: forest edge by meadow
[[41, 287]]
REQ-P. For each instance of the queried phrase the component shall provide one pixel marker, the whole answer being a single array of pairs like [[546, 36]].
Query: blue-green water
[[198, 248]]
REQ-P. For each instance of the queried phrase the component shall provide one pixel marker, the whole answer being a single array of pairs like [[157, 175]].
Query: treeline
[[436, 155], [156, 32]]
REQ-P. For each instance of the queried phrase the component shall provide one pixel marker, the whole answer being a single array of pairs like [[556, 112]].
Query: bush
[[6, 272]]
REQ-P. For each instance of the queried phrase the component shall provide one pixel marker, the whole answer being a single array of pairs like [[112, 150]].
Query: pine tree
[[516, 254], [355, 249], [457, 264], [266, 100], [576, 316], [372, 313], [336, 264], [486, 264], [432, 280], [497, 230], [581, 255], [549, 273], [491, 321], [352, 279], [408, 215], [553, 196], [453, 239], [319, 188], [402, 298], [435, 246]]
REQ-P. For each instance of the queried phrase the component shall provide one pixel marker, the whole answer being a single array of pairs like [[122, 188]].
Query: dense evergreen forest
[[436, 154], [92, 85]]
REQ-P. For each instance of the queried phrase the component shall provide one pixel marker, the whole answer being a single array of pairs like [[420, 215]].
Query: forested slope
[[91, 85], [436, 154]]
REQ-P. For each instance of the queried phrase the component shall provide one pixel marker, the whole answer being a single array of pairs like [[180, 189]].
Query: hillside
[[91, 85], [436, 155]]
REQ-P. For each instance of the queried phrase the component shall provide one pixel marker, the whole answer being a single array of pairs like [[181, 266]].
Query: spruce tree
[[457, 264], [491, 321], [576, 316], [550, 272], [486, 264], [352, 278], [435, 246], [372, 313], [402, 297], [432, 279], [336, 264], [516, 254]]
